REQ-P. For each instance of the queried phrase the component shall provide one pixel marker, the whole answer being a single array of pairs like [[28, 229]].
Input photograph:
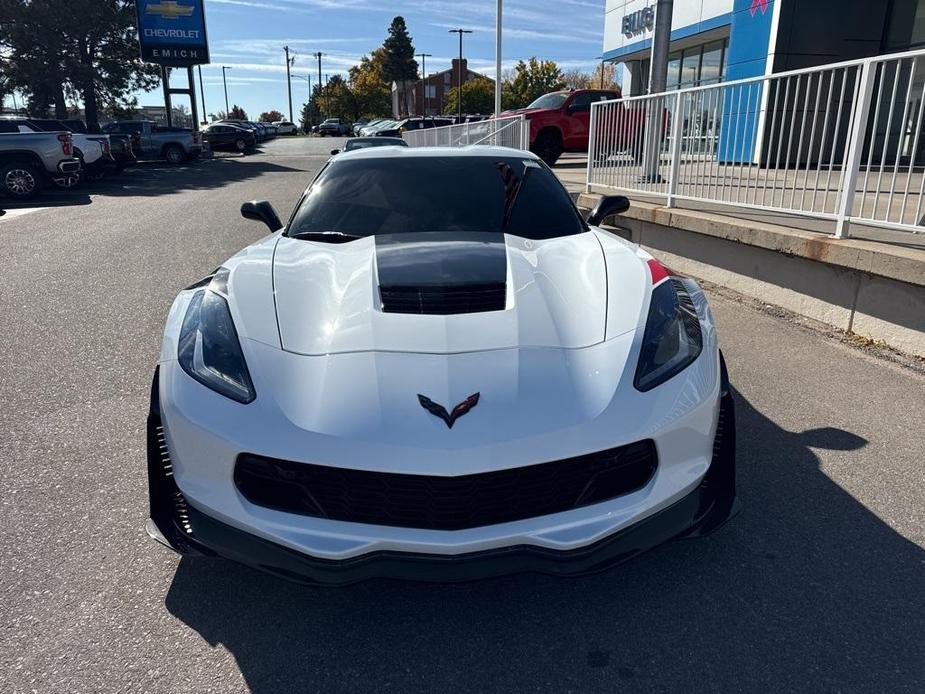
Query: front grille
[[446, 300], [444, 503]]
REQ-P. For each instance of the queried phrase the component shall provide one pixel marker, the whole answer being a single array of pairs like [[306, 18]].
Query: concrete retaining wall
[[857, 286]]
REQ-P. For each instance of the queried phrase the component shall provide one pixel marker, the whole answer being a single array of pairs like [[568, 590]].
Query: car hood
[[338, 298]]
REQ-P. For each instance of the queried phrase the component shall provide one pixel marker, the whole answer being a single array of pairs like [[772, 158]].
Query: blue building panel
[[746, 57]]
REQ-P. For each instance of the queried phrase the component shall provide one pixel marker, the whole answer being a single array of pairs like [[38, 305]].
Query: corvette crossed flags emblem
[[449, 418]]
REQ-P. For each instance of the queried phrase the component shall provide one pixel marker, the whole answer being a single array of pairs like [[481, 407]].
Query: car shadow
[[806, 589], [150, 178], [48, 198], [158, 178]]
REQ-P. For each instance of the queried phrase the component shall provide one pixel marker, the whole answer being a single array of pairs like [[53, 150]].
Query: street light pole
[[225, 84], [459, 71], [498, 61], [423, 57], [318, 55], [289, 79]]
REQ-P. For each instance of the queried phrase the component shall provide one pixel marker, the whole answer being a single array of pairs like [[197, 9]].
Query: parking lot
[[816, 585]]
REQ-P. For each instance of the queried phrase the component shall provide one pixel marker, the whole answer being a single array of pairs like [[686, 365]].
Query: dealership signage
[[637, 22], [172, 32]]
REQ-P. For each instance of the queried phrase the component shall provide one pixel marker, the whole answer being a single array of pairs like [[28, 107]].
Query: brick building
[[426, 96]]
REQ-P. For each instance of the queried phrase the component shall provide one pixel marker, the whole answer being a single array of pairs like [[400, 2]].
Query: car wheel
[[240, 145], [547, 147], [174, 154], [20, 181]]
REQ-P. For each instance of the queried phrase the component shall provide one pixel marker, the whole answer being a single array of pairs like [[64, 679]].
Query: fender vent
[[444, 301]]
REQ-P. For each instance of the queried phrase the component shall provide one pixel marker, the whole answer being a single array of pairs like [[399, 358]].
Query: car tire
[[240, 145], [547, 147], [174, 154], [20, 181]]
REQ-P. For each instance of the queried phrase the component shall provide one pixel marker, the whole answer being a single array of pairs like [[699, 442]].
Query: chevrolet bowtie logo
[[169, 9]]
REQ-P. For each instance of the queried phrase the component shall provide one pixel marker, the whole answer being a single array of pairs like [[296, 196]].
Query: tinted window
[[363, 197], [554, 100], [8, 127]]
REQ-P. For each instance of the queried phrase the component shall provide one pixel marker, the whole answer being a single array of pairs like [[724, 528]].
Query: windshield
[[554, 100], [392, 195]]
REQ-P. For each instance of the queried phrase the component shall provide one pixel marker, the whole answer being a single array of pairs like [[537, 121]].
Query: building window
[[712, 64]]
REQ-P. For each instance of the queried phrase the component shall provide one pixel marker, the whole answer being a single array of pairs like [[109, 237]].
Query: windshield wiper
[[325, 236]]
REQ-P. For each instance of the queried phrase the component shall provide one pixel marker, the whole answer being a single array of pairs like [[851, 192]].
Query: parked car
[[284, 127], [334, 127], [560, 122], [175, 145], [373, 128], [93, 152], [363, 142], [229, 136], [29, 160], [417, 380], [396, 128], [121, 146]]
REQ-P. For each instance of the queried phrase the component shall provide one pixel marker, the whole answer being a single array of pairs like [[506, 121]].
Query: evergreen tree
[[398, 63], [237, 113]]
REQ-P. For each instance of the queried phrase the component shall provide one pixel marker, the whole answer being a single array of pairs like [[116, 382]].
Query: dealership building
[[722, 40]]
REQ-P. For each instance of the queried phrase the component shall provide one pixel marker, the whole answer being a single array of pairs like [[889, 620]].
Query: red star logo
[[763, 4]]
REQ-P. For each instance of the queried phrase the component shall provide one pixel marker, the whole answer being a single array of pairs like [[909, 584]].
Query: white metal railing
[[507, 131], [842, 142]]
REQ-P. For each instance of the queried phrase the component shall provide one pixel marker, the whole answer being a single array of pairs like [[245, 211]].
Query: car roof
[[416, 152]]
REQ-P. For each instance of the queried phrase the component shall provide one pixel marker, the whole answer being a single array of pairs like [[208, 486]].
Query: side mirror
[[261, 211], [335, 151], [608, 206]]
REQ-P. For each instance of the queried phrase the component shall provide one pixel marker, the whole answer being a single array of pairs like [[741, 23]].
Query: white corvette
[[438, 370]]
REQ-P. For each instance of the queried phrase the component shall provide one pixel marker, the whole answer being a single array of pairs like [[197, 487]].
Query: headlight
[[672, 340], [209, 350]]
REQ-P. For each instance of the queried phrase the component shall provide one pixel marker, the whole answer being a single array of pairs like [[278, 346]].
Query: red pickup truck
[[560, 122]]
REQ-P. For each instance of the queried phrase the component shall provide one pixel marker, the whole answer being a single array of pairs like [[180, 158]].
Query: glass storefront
[[704, 64]]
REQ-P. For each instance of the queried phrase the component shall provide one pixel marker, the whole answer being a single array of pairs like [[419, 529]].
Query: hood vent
[[444, 301]]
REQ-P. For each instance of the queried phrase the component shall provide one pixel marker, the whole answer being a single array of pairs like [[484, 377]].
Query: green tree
[[270, 116], [311, 112], [398, 64], [478, 96], [531, 80], [85, 48], [237, 113], [336, 100], [372, 94]]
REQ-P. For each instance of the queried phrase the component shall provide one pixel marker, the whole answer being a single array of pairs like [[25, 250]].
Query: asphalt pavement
[[817, 585]]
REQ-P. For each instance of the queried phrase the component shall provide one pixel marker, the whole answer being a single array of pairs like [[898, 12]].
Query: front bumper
[[181, 526]]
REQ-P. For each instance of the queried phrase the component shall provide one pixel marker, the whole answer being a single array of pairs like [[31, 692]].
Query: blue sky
[[249, 35]]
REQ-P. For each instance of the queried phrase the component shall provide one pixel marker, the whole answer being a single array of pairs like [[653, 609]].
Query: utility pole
[[658, 82], [602, 72], [225, 84], [202, 92], [498, 61], [289, 63], [423, 57], [320, 83], [459, 71]]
